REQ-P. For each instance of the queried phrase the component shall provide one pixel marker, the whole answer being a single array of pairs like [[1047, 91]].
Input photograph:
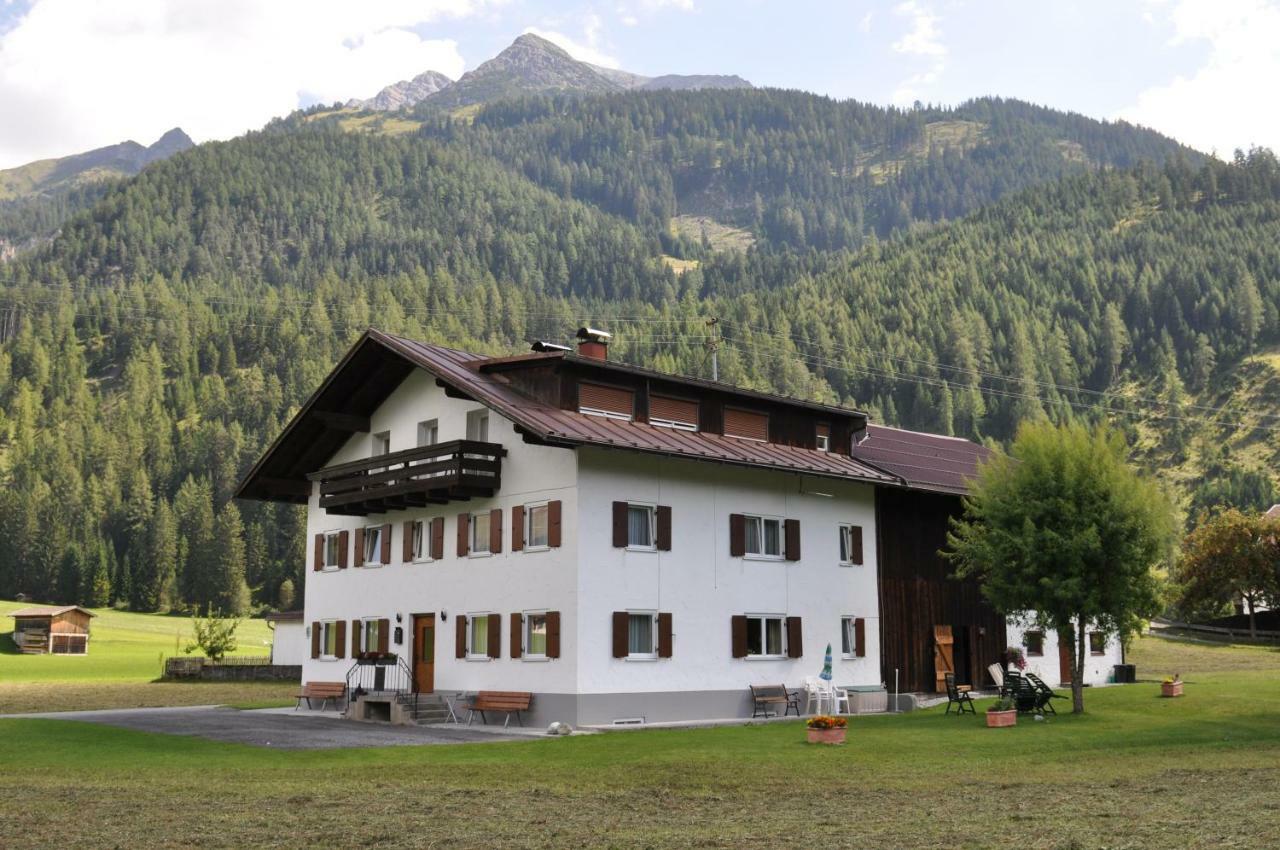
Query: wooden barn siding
[[917, 591], [70, 623]]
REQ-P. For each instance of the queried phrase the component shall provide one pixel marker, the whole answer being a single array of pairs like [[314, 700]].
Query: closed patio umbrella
[[826, 666], [828, 695]]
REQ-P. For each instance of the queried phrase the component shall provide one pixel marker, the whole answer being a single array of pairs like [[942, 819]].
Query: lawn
[[1136, 771], [125, 651]]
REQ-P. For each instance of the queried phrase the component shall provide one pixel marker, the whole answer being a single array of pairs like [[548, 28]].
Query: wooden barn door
[[943, 656]]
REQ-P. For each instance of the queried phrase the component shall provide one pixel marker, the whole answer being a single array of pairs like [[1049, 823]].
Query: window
[[850, 545], [609, 402], [369, 635], [666, 412], [849, 637], [478, 425], [418, 541], [536, 527], [381, 444], [640, 531], [428, 433], [480, 533], [478, 635], [765, 636], [1097, 643], [764, 537], [823, 438], [641, 633], [373, 546], [331, 550], [329, 639], [1034, 642], [746, 424], [535, 635]]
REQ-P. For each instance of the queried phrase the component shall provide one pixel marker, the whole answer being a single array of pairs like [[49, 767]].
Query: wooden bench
[[763, 696], [326, 692], [511, 702]]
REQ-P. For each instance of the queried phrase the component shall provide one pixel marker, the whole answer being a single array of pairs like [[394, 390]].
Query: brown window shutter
[[344, 539], [737, 538], [359, 562], [855, 549], [437, 537], [791, 533], [460, 636], [406, 545], [612, 399], [553, 634], [664, 635], [384, 635], [664, 528], [859, 637], [738, 628], [553, 523], [517, 528], [386, 544], [517, 634], [315, 640], [341, 642], [319, 561], [356, 631], [495, 636], [746, 424], [621, 535], [620, 643], [795, 638], [464, 530], [673, 410], [495, 530]]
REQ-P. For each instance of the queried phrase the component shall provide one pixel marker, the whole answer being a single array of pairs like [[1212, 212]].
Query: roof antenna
[[713, 345]]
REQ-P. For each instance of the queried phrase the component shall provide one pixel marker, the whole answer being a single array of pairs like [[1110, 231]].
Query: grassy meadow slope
[[124, 659], [1136, 771]]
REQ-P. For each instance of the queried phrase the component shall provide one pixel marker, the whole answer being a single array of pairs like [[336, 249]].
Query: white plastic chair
[[839, 697], [816, 694]]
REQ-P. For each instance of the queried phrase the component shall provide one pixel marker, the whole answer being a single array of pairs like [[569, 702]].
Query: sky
[[79, 74]]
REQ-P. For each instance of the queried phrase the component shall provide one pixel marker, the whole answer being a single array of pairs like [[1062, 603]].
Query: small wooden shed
[[62, 631]]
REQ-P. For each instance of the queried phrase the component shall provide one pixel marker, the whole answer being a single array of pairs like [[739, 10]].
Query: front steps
[[429, 708]]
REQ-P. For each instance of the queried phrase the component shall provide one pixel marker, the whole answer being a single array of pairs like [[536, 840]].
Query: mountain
[[404, 93], [123, 159]]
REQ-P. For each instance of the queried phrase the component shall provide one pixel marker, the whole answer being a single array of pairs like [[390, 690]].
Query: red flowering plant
[[1014, 655], [826, 721]]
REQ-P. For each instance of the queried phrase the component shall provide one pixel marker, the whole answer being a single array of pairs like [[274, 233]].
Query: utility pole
[[713, 345]]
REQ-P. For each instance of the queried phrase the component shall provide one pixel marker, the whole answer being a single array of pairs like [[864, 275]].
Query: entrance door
[[1066, 643], [424, 653], [943, 656]]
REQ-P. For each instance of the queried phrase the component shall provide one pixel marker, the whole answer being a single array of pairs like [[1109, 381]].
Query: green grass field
[[123, 660], [1136, 771]]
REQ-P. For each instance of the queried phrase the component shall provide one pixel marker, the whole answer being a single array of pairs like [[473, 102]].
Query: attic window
[[823, 437], [609, 402], [746, 424], [678, 413]]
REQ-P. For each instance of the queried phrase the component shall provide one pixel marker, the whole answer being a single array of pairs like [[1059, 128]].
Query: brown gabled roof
[[923, 461], [41, 611], [283, 616], [305, 444]]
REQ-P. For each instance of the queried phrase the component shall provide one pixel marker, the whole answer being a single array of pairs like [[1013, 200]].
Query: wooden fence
[[1231, 632]]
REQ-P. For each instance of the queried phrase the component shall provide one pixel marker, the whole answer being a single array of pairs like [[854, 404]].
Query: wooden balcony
[[429, 475]]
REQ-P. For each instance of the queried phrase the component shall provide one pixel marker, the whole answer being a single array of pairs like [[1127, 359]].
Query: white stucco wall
[[289, 642], [501, 583], [702, 586], [1098, 668]]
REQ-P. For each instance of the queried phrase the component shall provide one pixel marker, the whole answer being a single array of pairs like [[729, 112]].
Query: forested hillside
[[150, 352]]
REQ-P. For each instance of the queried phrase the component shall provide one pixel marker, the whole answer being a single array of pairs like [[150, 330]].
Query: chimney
[[594, 343]]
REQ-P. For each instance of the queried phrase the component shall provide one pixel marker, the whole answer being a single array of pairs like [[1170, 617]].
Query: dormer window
[[609, 402], [668, 412], [823, 437], [746, 424]]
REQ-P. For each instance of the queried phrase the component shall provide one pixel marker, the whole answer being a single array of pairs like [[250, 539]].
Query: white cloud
[[1222, 105], [924, 40], [82, 75], [586, 50]]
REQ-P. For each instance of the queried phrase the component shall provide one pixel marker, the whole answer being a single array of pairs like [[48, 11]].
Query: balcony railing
[[428, 475]]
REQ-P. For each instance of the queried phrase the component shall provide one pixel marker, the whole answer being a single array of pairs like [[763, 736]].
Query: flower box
[[996, 719], [827, 736], [1171, 689]]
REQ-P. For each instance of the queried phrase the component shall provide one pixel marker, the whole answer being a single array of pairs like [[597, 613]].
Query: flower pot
[[997, 719], [1170, 689], [826, 736]]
